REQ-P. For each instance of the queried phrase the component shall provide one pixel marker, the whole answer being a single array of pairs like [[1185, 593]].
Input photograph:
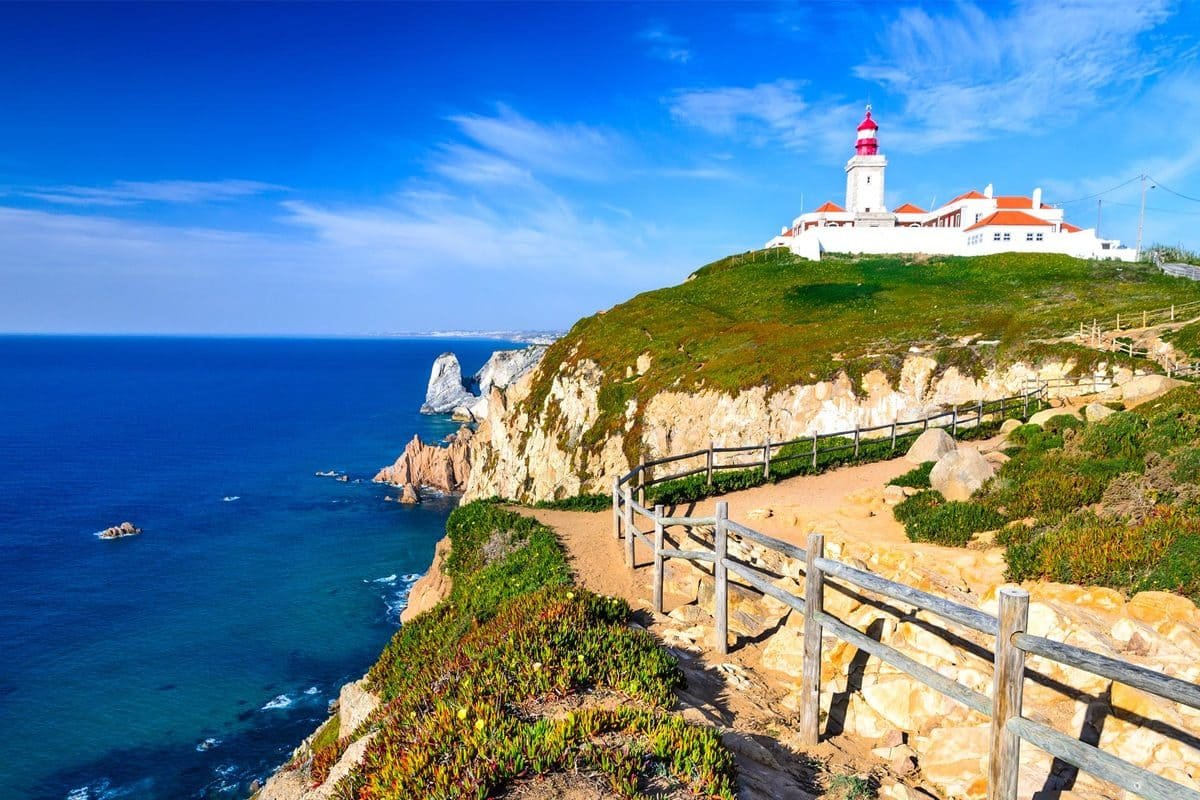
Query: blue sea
[[190, 660]]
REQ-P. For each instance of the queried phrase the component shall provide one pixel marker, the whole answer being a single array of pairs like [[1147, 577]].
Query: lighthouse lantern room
[[864, 171]]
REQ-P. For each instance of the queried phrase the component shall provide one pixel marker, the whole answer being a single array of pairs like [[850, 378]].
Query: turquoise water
[[230, 620]]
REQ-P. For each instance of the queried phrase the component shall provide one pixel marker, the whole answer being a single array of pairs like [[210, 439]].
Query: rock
[[996, 457], [433, 587], [446, 388], [409, 495], [959, 474], [443, 468], [1010, 425], [119, 531], [893, 495], [1143, 387], [1094, 412], [355, 704], [506, 366], [1042, 417], [930, 446]]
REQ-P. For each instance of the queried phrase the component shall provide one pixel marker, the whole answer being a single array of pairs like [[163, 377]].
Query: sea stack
[[119, 531]]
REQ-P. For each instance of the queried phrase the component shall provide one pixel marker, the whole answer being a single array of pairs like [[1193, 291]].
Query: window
[[1007, 237], [868, 179], [1039, 237], [996, 237], [1029, 237], [977, 216]]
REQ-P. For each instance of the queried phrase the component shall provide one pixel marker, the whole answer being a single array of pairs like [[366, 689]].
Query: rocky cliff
[[446, 390], [430, 465], [549, 446]]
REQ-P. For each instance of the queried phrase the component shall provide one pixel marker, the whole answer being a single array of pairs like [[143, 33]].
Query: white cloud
[[966, 76], [666, 46], [559, 150], [767, 113], [123, 193]]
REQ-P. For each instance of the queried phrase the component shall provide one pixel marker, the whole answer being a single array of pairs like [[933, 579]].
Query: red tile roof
[[1069, 228], [1008, 218], [788, 232], [829, 205], [1014, 201], [971, 195], [908, 208]]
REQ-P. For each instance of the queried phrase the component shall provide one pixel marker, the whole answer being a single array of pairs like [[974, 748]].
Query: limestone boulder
[[1009, 425], [1042, 417], [1144, 387], [1094, 412], [959, 474], [930, 446]]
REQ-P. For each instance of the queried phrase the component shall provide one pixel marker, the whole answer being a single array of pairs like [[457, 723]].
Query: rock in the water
[[409, 495], [930, 446], [446, 388], [1094, 412], [959, 474], [443, 468], [120, 531]]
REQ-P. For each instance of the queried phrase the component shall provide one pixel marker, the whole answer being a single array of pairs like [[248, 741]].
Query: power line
[[1098, 194], [1160, 185]]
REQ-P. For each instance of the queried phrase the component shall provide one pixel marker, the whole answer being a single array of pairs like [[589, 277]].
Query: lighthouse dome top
[[868, 124]]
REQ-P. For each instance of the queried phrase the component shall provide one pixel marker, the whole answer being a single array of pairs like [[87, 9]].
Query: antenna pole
[[1141, 218], [1099, 206]]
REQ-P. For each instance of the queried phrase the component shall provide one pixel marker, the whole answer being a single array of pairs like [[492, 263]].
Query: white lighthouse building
[[973, 223]]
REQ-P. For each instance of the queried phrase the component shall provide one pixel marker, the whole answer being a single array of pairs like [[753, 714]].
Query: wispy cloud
[[965, 75], [527, 147], [766, 114], [665, 45], [123, 193]]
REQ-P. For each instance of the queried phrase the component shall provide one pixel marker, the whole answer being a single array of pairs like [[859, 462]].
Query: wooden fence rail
[[1009, 726]]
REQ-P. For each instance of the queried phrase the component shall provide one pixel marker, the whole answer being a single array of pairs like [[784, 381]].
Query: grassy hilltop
[[773, 319]]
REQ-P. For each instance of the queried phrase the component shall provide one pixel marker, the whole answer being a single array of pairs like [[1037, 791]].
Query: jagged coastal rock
[[119, 531], [506, 366], [446, 389], [430, 465]]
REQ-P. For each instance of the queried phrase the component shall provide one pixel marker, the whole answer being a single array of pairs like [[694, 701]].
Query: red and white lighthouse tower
[[868, 143], [864, 174]]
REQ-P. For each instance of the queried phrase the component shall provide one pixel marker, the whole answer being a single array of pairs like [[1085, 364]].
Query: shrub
[[929, 517], [582, 502], [1117, 436], [1032, 438], [1062, 422], [917, 478]]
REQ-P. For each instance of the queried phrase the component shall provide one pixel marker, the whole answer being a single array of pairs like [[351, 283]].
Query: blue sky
[[344, 169]]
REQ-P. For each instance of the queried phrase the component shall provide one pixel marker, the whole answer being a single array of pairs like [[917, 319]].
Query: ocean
[[190, 660]]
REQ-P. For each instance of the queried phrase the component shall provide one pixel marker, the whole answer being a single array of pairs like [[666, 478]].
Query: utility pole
[[1099, 206], [1141, 218]]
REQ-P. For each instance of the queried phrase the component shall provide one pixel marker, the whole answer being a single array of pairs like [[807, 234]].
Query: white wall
[[949, 241]]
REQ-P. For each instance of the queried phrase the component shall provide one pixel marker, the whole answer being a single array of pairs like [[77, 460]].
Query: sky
[[349, 169]]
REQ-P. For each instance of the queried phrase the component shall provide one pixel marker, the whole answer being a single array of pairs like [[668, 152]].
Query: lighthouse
[[864, 175]]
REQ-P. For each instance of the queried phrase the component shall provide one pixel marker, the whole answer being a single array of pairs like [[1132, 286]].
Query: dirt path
[[731, 692]]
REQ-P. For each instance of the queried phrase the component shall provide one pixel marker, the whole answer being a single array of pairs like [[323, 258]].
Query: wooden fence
[[1009, 726]]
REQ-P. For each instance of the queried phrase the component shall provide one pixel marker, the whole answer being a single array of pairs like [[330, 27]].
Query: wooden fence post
[[628, 526], [810, 682], [767, 459], [721, 579], [979, 415], [814, 457], [617, 507], [1003, 413], [709, 463], [1008, 682], [642, 481], [658, 559], [1118, 322], [954, 421], [856, 439], [893, 434], [1025, 406], [925, 425]]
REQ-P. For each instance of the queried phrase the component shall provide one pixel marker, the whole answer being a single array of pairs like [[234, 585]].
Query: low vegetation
[[497, 684], [774, 320], [1113, 503]]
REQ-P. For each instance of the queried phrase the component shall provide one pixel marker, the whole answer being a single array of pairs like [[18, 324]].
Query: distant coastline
[[521, 337]]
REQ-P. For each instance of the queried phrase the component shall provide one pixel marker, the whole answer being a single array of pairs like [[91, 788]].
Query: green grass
[[917, 478], [582, 502], [778, 321], [462, 684], [929, 517], [1187, 339]]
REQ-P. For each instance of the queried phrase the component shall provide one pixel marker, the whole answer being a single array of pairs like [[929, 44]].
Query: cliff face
[[545, 448], [441, 468]]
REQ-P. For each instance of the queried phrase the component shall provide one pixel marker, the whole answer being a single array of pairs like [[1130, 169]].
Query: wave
[[278, 701], [231, 498], [104, 790], [386, 579], [208, 744], [398, 600], [311, 690]]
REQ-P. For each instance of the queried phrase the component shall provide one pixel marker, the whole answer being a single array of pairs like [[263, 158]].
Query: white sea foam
[[386, 579], [398, 600], [279, 701], [311, 690], [231, 498], [208, 744]]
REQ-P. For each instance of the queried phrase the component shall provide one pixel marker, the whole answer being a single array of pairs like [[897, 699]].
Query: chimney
[[1037, 198], [987, 190]]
